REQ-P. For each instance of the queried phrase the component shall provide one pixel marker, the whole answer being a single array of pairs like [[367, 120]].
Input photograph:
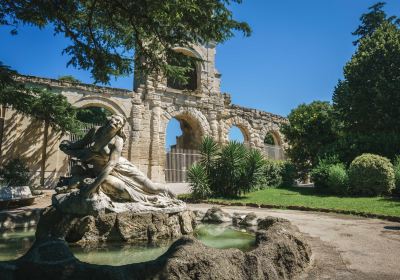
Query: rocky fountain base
[[280, 253], [67, 219]]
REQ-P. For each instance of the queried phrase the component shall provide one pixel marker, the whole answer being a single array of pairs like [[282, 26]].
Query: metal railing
[[178, 161], [274, 152]]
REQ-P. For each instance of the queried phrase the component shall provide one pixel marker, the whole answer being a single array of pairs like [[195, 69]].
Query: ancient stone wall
[[148, 109]]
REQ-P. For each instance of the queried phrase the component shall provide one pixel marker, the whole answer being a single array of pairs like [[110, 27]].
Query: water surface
[[14, 244]]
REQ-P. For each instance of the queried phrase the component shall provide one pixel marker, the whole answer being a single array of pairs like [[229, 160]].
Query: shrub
[[228, 171], [396, 167], [319, 174], [198, 179], [252, 173], [288, 173], [272, 173], [15, 173], [338, 179], [371, 175]]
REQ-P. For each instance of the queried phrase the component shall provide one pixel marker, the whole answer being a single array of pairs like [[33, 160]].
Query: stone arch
[[276, 134], [98, 101], [244, 127], [199, 65], [193, 113]]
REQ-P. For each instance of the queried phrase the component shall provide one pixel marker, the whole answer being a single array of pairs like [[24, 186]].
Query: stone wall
[[148, 109]]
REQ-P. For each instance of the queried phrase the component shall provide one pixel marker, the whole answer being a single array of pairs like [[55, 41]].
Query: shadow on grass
[[326, 193], [308, 191]]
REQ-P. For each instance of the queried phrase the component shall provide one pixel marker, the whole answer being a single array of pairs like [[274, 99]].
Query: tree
[[311, 133], [372, 21], [39, 103], [367, 101], [104, 33]]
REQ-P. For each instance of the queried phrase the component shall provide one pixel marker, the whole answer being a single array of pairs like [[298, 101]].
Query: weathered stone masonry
[[148, 109]]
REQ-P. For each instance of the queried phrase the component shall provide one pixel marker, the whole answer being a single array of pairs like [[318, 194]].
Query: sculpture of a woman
[[99, 155]]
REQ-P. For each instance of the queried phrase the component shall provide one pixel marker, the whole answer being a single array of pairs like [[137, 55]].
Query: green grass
[[310, 197]]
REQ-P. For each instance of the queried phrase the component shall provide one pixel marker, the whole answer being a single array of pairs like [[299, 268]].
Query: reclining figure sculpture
[[102, 171]]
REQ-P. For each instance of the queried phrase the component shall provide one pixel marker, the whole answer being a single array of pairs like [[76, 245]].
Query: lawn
[[310, 197]]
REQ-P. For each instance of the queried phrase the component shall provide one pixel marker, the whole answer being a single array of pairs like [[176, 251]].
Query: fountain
[[108, 203]]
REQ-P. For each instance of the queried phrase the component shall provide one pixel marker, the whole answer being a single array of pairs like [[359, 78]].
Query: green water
[[15, 244]]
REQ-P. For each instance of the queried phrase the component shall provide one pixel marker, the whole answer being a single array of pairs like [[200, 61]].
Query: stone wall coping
[[73, 86], [262, 113]]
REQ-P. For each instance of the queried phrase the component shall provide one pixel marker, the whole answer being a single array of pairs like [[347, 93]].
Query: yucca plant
[[229, 169], [209, 153], [199, 181], [253, 170]]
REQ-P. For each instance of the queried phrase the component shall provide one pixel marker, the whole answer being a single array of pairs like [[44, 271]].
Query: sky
[[295, 55]]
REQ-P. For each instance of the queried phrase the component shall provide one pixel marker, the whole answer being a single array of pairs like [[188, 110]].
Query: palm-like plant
[[199, 181], [228, 171]]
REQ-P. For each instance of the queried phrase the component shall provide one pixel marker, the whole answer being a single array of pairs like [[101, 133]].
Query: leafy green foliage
[[289, 173], [15, 173], [278, 173], [198, 179], [69, 78], [272, 174], [320, 173], [105, 33], [227, 171], [372, 21], [39, 103], [269, 139], [338, 179], [310, 133], [371, 175], [396, 168], [96, 115], [366, 102]]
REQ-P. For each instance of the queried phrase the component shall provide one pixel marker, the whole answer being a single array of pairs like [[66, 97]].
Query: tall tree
[[367, 101], [104, 33], [373, 20], [39, 103], [310, 133]]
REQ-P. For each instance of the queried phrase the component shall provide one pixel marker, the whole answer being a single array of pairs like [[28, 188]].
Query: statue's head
[[116, 124]]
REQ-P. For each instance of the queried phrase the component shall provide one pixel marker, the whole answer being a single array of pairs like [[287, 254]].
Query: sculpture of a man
[[99, 155]]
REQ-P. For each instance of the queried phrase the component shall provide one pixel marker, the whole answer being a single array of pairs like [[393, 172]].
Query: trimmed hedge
[[371, 175]]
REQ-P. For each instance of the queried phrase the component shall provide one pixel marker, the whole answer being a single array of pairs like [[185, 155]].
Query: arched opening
[[236, 134], [93, 115], [269, 139], [272, 146], [183, 138], [183, 60]]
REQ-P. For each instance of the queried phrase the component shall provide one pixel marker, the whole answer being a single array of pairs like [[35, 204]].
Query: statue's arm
[[114, 158]]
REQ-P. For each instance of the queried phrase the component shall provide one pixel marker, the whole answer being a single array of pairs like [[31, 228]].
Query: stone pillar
[[155, 169], [136, 120], [214, 125]]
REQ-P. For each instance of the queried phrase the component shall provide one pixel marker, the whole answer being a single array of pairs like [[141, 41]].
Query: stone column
[[155, 169], [214, 125], [136, 120]]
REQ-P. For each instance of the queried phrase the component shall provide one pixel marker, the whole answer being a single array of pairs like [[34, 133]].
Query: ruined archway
[[185, 151], [244, 127]]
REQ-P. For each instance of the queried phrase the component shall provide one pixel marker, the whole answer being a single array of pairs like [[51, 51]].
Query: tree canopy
[[310, 133], [105, 33], [373, 20]]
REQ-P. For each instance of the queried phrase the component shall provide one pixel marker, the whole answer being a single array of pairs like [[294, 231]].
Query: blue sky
[[295, 55]]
